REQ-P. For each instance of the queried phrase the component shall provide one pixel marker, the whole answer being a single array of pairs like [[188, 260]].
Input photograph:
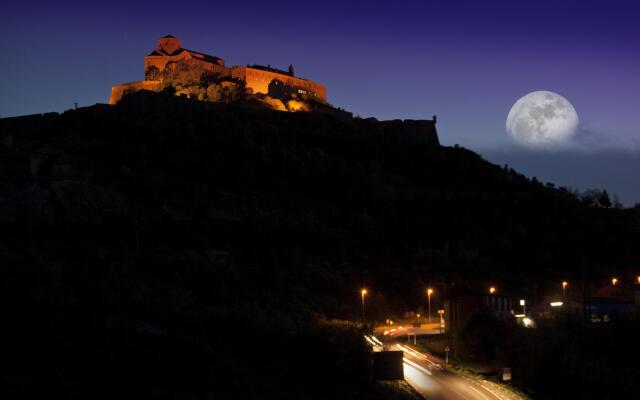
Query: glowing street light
[[564, 288], [492, 290], [524, 307], [363, 293], [638, 280], [429, 292], [614, 281], [528, 323]]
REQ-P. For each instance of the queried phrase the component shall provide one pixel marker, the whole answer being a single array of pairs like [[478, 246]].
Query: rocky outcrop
[[411, 131]]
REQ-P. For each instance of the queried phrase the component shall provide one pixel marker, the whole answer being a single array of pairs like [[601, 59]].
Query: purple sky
[[466, 61]]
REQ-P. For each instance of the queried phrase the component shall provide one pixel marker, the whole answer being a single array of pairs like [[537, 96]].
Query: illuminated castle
[[257, 78]]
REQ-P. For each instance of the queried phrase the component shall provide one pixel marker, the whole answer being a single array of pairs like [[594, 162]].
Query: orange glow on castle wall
[[118, 91], [258, 79]]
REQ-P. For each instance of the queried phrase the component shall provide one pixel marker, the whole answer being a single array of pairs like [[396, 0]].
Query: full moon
[[542, 119]]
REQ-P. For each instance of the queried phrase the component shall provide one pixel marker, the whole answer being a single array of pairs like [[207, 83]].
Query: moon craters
[[542, 119]]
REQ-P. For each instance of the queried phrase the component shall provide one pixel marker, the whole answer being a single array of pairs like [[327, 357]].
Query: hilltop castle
[[256, 78]]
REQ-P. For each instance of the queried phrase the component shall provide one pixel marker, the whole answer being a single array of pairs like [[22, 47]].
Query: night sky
[[466, 61]]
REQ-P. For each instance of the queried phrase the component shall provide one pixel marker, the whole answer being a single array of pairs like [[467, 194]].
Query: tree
[[603, 199], [616, 202], [214, 92], [208, 77], [590, 197], [168, 90]]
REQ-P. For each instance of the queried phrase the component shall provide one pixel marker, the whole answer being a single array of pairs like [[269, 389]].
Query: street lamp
[[638, 280], [564, 288], [614, 281], [524, 309], [441, 312], [429, 292], [492, 290], [363, 293]]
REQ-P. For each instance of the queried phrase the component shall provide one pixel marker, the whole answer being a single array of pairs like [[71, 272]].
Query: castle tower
[[169, 44]]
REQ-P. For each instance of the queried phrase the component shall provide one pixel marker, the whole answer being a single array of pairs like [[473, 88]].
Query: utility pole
[[363, 293], [429, 291]]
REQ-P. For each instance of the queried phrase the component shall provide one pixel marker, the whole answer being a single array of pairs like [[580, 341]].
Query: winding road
[[426, 375]]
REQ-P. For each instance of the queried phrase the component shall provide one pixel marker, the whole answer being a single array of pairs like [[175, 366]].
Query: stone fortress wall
[[257, 78], [117, 92], [262, 81]]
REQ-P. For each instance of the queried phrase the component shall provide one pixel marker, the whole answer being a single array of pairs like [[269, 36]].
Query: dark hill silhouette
[[139, 237]]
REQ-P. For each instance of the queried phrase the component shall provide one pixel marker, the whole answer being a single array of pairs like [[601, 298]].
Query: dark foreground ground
[[173, 249]]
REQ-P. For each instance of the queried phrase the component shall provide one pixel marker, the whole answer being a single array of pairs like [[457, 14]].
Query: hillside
[[185, 248]]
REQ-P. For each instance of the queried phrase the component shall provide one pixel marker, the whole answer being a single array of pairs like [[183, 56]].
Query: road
[[426, 375], [408, 329]]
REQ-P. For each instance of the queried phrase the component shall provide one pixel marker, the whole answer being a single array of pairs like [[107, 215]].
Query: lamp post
[[492, 290], [524, 307], [614, 281], [441, 312], [564, 289], [363, 293], [429, 292]]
